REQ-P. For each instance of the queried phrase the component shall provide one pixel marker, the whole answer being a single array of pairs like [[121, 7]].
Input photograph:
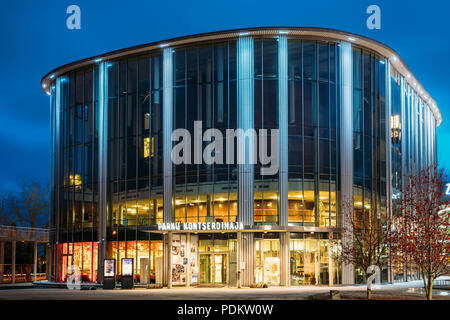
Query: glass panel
[[142, 264], [220, 268], [295, 207], [323, 261], [309, 209], [311, 268], [297, 271], [205, 268], [271, 253]]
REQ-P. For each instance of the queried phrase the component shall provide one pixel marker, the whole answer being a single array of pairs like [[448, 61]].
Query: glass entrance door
[[213, 268], [220, 269], [205, 268]]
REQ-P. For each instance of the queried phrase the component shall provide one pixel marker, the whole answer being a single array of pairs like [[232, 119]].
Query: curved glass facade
[[116, 192]]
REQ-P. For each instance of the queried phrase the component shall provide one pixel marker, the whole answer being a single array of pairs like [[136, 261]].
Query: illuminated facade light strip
[[418, 88], [102, 158], [283, 127], [346, 64], [388, 113], [245, 106], [57, 169], [167, 131]]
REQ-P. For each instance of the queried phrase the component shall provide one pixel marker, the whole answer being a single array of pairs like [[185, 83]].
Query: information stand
[[127, 273], [109, 274]]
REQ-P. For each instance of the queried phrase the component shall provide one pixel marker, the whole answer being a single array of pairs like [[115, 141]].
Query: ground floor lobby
[[217, 259]]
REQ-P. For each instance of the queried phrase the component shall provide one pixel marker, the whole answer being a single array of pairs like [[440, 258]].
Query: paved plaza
[[409, 291]]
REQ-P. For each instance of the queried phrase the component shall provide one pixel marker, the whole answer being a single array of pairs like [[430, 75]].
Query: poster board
[[109, 273], [109, 268], [127, 267]]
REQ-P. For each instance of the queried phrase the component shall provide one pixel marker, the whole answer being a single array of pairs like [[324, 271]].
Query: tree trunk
[[429, 288], [425, 286], [369, 291]]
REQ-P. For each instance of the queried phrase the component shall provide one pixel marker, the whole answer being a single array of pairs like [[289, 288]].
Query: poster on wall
[[109, 268], [193, 260], [176, 248], [178, 259], [127, 267]]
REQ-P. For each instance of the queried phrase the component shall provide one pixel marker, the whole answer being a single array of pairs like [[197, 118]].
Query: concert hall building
[[351, 120]]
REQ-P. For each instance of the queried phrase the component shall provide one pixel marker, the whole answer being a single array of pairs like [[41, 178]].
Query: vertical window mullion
[[329, 136], [137, 142], [198, 112], [228, 125], [213, 118], [303, 136], [186, 126]]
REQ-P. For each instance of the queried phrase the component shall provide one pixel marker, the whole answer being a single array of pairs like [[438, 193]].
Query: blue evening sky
[[34, 40]]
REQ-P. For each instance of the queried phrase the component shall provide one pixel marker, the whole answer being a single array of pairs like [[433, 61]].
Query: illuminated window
[[396, 129], [295, 207], [149, 150], [75, 180]]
